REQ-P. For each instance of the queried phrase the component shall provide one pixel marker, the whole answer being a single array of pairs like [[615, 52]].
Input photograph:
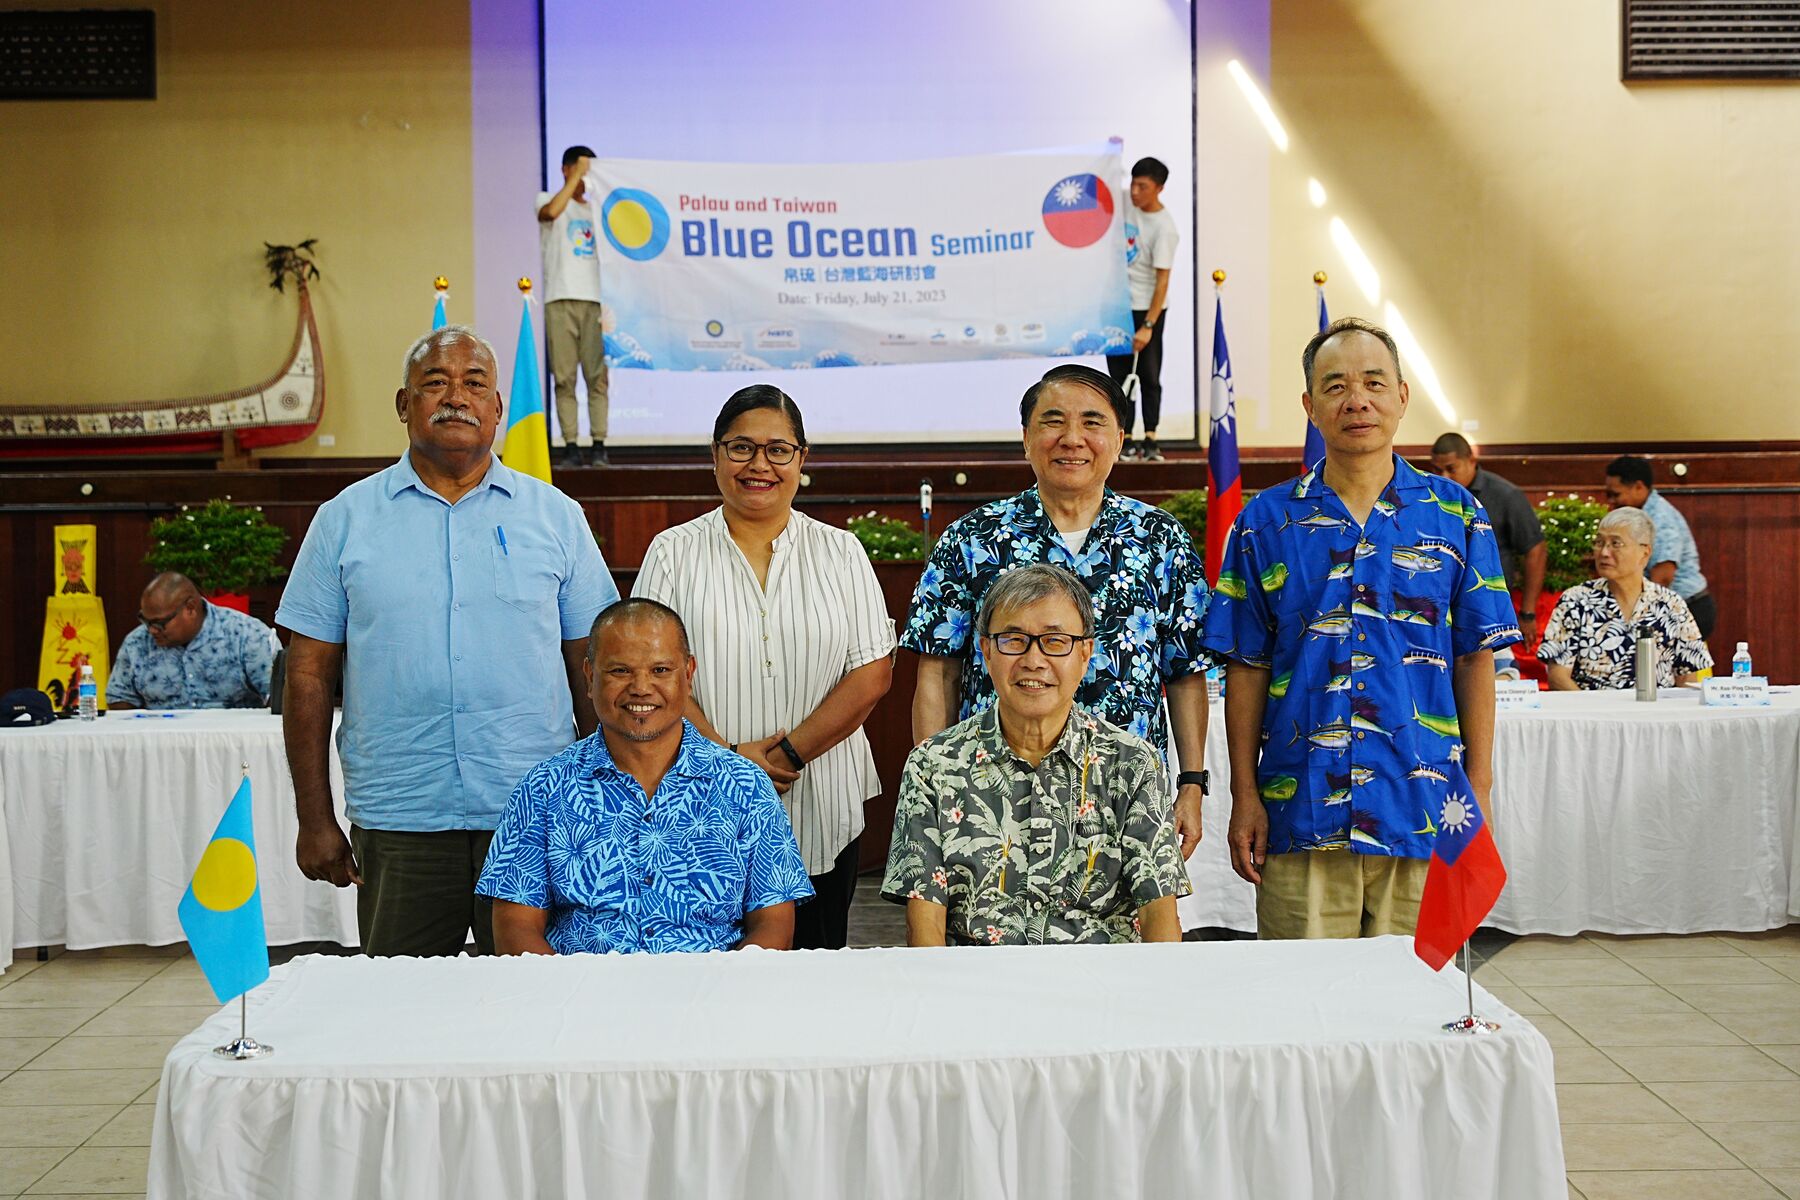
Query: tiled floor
[[1677, 1058]]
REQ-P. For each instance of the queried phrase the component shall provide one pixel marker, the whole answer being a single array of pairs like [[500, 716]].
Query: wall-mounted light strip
[[1361, 269], [1259, 104], [1417, 364]]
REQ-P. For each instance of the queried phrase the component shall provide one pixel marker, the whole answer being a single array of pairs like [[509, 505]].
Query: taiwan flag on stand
[[1465, 876], [1224, 485], [1315, 441]]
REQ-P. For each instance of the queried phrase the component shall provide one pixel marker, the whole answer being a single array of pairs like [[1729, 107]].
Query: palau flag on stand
[[1465, 876], [1315, 441], [527, 446], [222, 912], [1224, 485]]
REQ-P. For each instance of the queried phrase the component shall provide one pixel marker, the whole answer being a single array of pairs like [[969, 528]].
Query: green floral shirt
[[1066, 852]]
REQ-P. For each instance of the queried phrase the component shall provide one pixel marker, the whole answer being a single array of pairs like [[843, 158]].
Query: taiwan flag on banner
[[1078, 210], [1465, 876], [1224, 486], [1315, 441]]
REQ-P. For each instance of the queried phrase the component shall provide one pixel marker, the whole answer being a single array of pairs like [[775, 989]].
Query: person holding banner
[[567, 226], [1148, 585], [793, 642], [1151, 240], [1357, 609]]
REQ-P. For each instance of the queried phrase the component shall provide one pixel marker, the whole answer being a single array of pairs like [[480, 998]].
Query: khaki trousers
[[573, 330], [1338, 894]]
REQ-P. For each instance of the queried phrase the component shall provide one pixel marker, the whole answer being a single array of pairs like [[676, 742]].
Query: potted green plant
[[1569, 523], [226, 549], [885, 539], [1190, 509]]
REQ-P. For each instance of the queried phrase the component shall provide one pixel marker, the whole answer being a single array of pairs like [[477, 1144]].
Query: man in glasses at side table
[[189, 653]]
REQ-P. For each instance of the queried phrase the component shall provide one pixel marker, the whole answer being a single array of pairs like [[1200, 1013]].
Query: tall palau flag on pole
[[1315, 441], [1465, 877], [222, 912], [1224, 485], [440, 318], [527, 446]]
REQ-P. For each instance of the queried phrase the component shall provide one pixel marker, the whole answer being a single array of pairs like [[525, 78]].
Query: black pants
[[823, 923], [418, 893], [1706, 614], [1149, 368]]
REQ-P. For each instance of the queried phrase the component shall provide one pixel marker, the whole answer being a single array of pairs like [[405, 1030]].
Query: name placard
[[1731, 692], [1517, 693]]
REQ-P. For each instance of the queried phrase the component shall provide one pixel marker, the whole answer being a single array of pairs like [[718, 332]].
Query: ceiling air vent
[[1710, 39], [81, 54]]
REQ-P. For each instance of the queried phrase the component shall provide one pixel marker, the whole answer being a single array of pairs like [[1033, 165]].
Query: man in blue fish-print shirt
[[1357, 608]]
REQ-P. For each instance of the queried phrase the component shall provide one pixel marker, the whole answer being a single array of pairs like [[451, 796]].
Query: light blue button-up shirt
[[225, 666], [452, 617], [1674, 543]]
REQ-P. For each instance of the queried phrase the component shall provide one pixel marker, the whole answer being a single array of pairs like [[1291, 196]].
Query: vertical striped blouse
[[767, 657]]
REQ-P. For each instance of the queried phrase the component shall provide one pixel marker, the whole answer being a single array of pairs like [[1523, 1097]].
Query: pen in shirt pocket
[[500, 532]]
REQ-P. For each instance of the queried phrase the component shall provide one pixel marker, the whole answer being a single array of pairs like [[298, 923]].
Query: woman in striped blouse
[[792, 639]]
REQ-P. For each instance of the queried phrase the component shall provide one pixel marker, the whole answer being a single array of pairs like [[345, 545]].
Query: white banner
[[747, 267]]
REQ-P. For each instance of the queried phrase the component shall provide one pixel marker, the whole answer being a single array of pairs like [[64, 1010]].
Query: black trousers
[[823, 923], [418, 893], [1149, 368], [1706, 614]]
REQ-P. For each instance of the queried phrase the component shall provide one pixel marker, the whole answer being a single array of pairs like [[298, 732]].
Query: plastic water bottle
[[88, 692], [1740, 662]]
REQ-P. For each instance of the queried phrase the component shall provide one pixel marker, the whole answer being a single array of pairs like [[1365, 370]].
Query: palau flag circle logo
[[226, 876], [1078, 210], [635, 223]]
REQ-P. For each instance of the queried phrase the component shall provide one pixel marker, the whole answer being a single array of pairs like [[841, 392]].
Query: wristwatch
[[787, 748], [1203, 778]]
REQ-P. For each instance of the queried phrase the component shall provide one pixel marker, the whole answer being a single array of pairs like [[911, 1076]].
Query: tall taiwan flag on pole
[[222, 912], [527, 446], [1315, 441], [1465, 877], [1224, 484]]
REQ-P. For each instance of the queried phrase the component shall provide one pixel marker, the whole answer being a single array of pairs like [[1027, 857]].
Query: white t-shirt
[[1151, 239], [1074, 539], [571, 268]]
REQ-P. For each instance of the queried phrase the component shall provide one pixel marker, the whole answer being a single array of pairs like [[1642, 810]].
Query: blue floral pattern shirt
[[226, 665], [1148, 587], [621, 872], [1360, 629]]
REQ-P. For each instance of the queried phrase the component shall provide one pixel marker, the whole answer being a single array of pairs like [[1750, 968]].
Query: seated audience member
[[645, 836], [1034, 820], [1591, 640], [189, 653], [1629, 484]]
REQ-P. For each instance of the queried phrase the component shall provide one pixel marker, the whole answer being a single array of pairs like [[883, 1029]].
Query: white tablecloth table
[[1613, 816], [106, 820], [1275, 1070]]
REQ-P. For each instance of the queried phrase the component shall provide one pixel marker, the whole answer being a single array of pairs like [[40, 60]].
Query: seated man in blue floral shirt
[[1137, 561], [188, 653], [644, 836]]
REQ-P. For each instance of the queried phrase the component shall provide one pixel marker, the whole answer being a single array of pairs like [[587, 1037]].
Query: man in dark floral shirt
[[1147, 584]]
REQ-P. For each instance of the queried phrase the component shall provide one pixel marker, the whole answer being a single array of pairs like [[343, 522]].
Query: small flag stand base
[[1470, 1024], [243, 1046]]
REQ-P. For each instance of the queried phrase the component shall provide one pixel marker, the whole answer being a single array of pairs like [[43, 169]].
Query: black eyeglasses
[[1056, 645], [779, 454], [158, 624]]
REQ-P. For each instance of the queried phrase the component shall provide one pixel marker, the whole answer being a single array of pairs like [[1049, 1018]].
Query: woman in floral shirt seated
[[1591, 640], [1034, 820]]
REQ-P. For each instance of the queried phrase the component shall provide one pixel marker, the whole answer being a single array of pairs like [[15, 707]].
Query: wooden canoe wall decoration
[[284, 408]]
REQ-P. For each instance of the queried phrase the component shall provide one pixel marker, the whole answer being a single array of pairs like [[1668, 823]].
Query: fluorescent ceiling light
[[1416, 362], [1361, 269], [1259, 104]]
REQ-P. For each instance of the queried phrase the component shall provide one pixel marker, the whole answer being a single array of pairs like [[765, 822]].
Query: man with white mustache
[[450, 593]]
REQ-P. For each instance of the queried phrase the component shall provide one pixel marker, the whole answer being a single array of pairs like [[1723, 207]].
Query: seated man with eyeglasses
[[1035, 821], [189, 653]]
